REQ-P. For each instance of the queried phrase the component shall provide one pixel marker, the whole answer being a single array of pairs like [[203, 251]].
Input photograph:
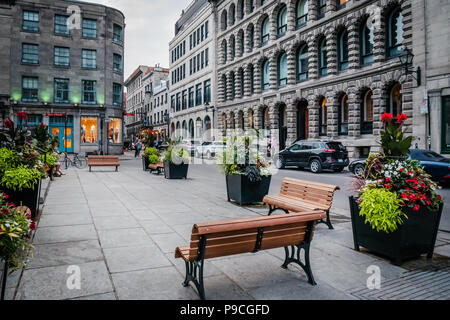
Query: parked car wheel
[[315, 166], [359, 170], [279, 163]]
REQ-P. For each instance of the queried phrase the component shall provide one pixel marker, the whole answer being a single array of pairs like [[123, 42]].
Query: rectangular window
[[198, 95], [115, 131], [194, 38], [195, 63], [117, 94], [178, 102], [30, 53], [445, 125], [30, 90], [89, 59], [117, 33], [207, 91], [206, 57], [341, 4], [172, 103], [203, 59], [89, 130], [89, 28], [117, 62], [198, 62], [190, 42], [191, 97], [198, 36], [61, 25], [203, 32], [61, 87], [206, 30], [62, 56], [190, 66], [184, 101], [30, 21], [89, 93]]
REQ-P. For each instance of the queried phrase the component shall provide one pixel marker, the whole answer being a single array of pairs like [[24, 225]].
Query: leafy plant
[[8, 159], [176, 154], [50, 159], [151, 151], [11, 137], [21, 178], [393, 142], [153, 159], [42, 136], [148, 140], [381, 208], [15, 227]]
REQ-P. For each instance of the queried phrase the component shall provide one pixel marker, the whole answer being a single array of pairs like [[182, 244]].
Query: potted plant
[[396, 211], [15, 228], [149, 157], [176, 162], [246, 172]]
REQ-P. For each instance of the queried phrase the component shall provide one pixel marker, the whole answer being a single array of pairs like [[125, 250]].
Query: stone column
[[247, 81], [237, 85], [274, 129], [221, 94], [247, 40], [257, 117], [331, 6], [332, 115], [313, 111], [379, 51], [246, 111], [354, 113], [257, 78], [230, 85], [291, 16], [273, 32], [257, 34], [313, 6], [273, 72], [291, 123], [230, 50], [332, 52], [353, 45], [291, 67], [313, 59], [239, 49]]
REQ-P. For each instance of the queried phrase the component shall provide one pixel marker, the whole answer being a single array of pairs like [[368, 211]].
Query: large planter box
[[175, 171], [145, 163], [26, 197], [241, 190], [416, 236]]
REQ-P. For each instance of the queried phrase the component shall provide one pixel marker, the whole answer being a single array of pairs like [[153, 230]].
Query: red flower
[[5, 196], [5, 211], [33, 226], [386, 116], [416, 208], [7, 124], [428, 202], [439, 197], [388, 186], [12, 205], [387, 179], [401, 118], [28, 216], [401, 170]]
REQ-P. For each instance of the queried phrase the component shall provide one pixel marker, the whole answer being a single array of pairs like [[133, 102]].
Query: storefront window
[[89, 129], [446, 125], [115, 131]]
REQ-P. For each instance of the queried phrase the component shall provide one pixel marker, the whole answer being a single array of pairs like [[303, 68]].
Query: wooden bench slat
[[311, 183]]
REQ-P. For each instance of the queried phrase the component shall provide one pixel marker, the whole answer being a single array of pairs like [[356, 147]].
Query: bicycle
[[77, 161]]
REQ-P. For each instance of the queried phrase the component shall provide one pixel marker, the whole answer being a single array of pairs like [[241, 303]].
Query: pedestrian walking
[[138, 149]]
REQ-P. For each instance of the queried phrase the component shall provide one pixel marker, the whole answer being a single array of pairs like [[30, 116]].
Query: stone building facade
[[159, 109], [62, 64], [313, 69], [192, 78]]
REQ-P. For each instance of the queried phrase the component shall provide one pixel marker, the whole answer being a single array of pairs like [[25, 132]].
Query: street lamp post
[[208, 107], [406, 59]]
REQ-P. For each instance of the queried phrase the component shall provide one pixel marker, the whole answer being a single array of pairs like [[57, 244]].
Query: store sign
[[55, 114], [128, 114]]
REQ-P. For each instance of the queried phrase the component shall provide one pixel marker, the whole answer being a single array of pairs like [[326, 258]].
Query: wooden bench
[[299, 196], [103, 161], [210, 240], [159, 167]]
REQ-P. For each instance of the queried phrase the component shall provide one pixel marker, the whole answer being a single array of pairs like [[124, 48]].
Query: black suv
[[315, 155]]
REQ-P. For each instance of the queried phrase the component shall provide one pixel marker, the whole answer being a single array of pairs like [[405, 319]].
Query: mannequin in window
[[83, 134]]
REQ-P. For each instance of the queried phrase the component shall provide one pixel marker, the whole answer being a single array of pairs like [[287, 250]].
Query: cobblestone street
[[121, 229]]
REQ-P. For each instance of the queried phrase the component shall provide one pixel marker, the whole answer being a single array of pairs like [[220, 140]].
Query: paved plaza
[[121, 230]]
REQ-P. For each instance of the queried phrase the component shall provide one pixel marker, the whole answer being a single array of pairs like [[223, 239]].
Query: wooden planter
[[26, 197], [243, 191], [416, 236], [175, 171]]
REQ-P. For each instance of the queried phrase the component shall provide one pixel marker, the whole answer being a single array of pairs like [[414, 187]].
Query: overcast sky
[[150, 25]]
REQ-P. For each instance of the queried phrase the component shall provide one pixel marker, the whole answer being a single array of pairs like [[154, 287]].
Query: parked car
[[190, 145], [209, 149], [434, 164], [315, 155]]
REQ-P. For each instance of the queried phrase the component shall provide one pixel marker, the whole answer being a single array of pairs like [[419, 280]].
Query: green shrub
[[52, 158], [381, 208], [176, 155], [21, 178], [8, 159], [151, 151], [153, 159]]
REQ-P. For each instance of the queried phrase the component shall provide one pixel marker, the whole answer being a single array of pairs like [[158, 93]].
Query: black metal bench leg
[[192, 268], [273, 209], [328, 222], [294, 257]]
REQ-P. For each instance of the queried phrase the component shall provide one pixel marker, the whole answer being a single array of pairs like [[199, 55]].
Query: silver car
[[209, 149]]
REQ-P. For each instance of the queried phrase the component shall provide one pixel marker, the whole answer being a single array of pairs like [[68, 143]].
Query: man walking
[[138, 149]]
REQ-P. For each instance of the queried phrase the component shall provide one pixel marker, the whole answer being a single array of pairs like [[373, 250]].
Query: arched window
[[233, 47], [343, 51], [366, 44], [207, 127], [343, 115], [323, 59], [233, 79], [282, 70], [251, 123], [301, 13], [265, 75], [232, 122], [252, 81], [184, 129], [367, 113], [242, 42], [225, 51], [322, 9], [199, 127], [241, 7], [282, 21], [191, 129], [251, 36], [232, 14], [323, 117], [302, 63], [224, 123], [224, 20], [241, 84], [395, 33], [225, 89], [265, 31], [395, 100], [178, 129]]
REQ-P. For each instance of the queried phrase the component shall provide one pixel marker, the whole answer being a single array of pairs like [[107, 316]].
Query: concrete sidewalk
[[121, 230]]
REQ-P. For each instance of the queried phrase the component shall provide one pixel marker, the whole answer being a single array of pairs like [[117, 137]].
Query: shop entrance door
[[64, 131]]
